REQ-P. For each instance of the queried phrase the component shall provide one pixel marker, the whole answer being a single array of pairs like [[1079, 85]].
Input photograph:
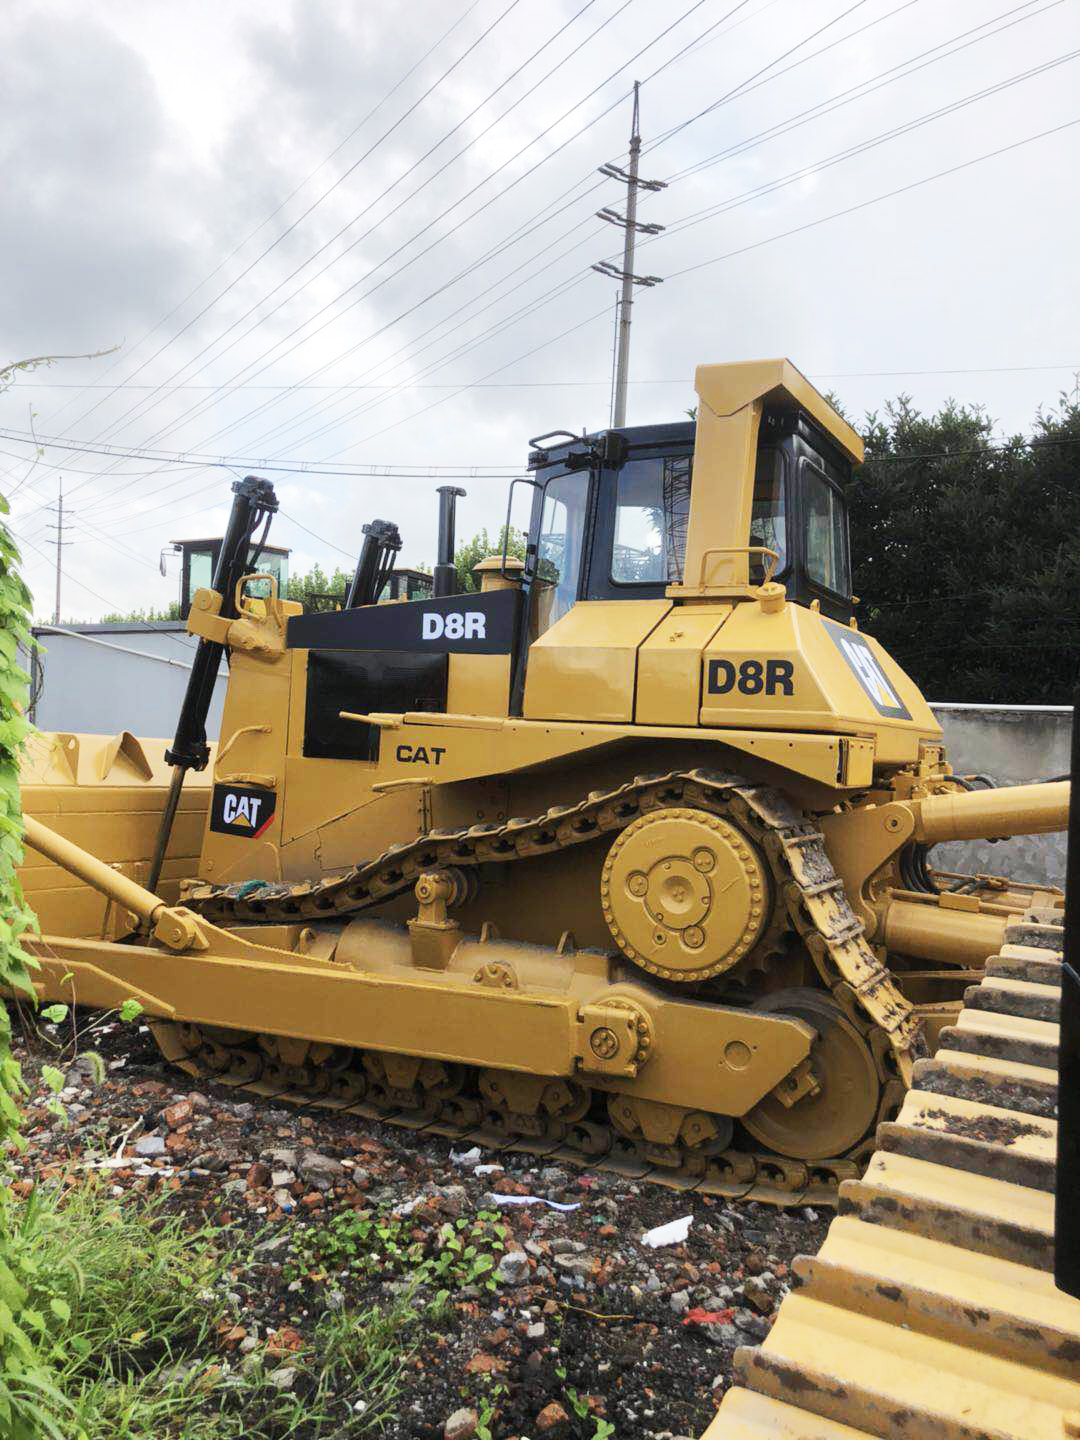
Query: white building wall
[[100, 679]]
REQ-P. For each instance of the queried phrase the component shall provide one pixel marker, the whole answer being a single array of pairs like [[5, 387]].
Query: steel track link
[[931, 1311], [734, 1174]]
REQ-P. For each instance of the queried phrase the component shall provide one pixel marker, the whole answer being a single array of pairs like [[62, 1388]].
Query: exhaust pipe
[[444, 580]]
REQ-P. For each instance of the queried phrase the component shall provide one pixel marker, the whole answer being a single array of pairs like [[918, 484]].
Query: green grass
[[131, 1301]]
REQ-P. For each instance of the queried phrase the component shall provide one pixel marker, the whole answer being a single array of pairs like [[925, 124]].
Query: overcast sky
[[361, 235]]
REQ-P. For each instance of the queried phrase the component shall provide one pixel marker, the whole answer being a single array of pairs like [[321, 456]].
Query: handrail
[[739, 550]]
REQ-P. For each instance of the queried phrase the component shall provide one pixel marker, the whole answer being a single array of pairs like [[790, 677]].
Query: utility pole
[[59, 547], [632, 228], [60, 543]]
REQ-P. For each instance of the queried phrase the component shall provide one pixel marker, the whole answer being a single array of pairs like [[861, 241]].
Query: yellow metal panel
[[583, 668], [1012, 1221], [965, 1391], [731, 401], [321, 791], [91, 790], [747, 679], [67, 761], [747, 1416], [335, 810], [478, 685], [669, 665], [931, 1311], [479, 747], [287, 995], [983, 1281], [716, 1058], [857, 764], [913, 927], [254, 734], [727, 388]]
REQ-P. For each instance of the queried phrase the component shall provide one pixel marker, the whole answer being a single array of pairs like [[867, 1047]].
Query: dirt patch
[[993, 1129]]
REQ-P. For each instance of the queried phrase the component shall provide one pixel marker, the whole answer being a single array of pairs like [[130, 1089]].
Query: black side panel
[[472, 624], [363, 681]]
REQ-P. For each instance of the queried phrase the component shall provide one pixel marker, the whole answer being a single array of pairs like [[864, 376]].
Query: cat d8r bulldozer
[[621, 858]]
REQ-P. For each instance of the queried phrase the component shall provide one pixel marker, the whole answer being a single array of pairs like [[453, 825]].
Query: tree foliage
[[149, 616], [479, 548], [966, 552], [312, 587]]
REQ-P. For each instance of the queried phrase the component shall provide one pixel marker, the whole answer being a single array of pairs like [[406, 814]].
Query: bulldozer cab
[[612, 512]]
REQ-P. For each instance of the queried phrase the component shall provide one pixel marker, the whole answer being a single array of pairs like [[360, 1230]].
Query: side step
[[931, 1311]]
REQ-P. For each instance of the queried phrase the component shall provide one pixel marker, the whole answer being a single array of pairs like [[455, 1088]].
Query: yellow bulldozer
[[621, 858]]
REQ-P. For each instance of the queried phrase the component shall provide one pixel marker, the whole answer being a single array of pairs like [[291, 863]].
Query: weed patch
[[129, 1319], [448, 1257]]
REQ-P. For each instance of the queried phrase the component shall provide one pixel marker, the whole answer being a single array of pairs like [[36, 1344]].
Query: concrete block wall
[[1015, 745]]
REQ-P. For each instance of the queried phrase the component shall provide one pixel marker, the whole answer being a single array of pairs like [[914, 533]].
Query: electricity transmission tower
[[632, 228]]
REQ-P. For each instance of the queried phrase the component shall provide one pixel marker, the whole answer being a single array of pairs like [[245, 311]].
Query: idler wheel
[[685, 894], [836, 1116]]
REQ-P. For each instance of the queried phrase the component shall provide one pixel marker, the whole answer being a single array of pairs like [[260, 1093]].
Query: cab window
[[558, 550], [826, 531], [652, 506], [768, 522]]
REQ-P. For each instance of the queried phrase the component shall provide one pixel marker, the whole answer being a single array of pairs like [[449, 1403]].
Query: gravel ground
[[583, 1327]]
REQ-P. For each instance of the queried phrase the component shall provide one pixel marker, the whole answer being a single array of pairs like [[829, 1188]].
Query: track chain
[[931, 1309], [448, 1111], [811, 901], [811, 891]]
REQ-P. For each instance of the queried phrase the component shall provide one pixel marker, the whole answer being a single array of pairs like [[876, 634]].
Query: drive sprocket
[[686, 893]]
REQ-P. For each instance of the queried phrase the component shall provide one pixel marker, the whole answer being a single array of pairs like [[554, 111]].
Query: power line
[[372, 468], [321, 538], [298, 468], [1037, 444], [901, 71], [741, 88], [286, 426], [113, 607], [459, 390], [315, 204], [660, 68], [876, 199], [671, 59], [861, 147], [1070, 365], [272, 216], [252, 310], [758, 244], [819, 165], [359, 299]]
